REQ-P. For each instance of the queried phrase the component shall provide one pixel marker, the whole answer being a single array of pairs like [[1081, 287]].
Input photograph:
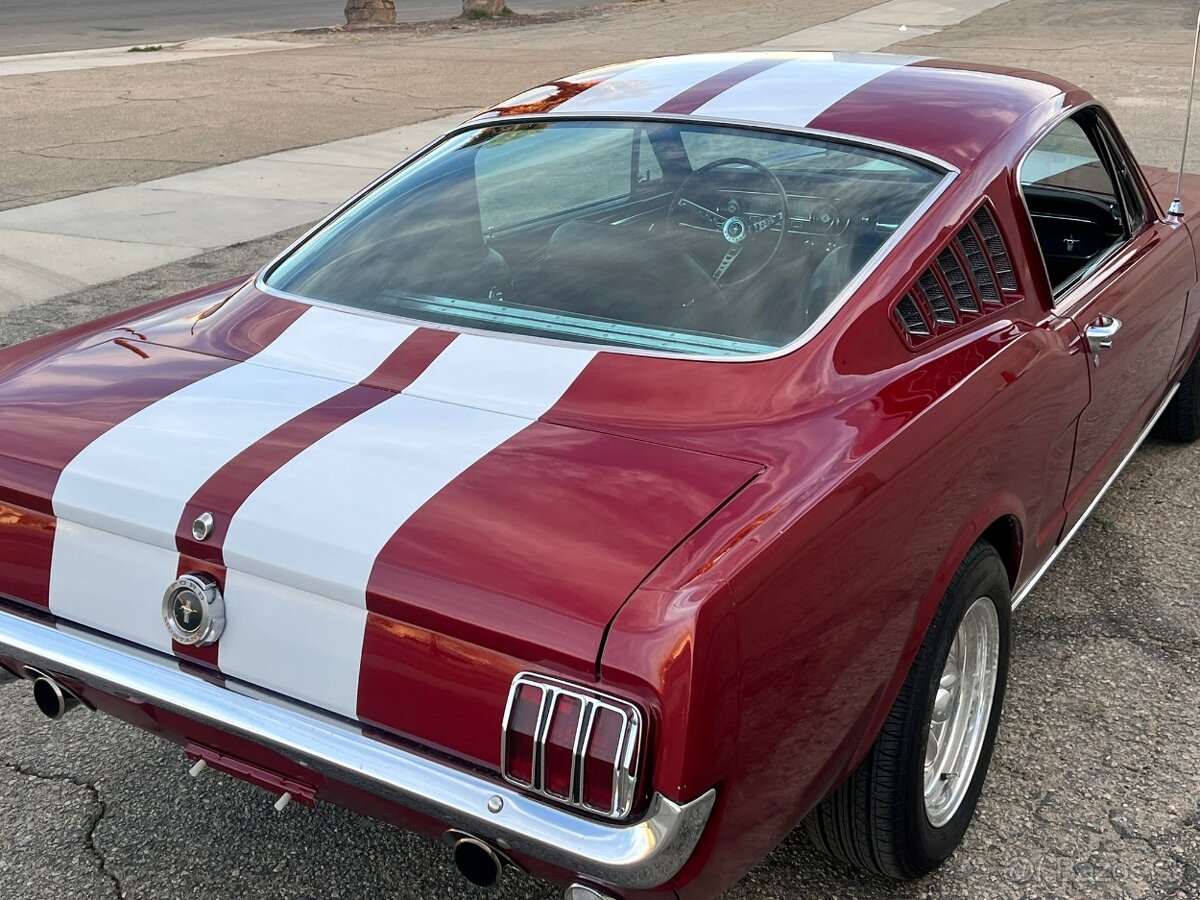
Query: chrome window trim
[[1059, 218], [693, 119], [1126, 173], [638, 854], [915, 217]]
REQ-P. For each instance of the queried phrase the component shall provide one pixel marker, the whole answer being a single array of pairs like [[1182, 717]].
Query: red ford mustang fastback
[[646, 467]]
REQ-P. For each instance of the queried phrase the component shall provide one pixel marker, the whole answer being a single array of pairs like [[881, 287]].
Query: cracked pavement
[[1095, 787], [25, 786]]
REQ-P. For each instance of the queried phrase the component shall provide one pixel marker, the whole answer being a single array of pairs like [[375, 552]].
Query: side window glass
[[1075, 205]]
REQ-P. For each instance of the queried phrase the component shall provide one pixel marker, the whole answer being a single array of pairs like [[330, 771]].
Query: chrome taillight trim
[[629, 746]]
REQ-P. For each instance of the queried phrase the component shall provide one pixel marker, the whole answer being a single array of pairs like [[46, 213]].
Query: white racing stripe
[[111, 583], [773, 95], [120, 500], [135, 479], [519, 379], [302, 547], [648, 86]]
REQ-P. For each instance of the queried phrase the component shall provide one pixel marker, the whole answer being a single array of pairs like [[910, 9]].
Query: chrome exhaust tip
[[585, 892], [54, 700], [477, 861]]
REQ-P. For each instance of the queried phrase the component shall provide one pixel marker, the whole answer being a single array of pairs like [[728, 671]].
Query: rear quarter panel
[[780, 634]]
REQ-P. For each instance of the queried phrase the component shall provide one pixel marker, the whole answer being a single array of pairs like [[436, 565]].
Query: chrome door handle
[[1100, 335]]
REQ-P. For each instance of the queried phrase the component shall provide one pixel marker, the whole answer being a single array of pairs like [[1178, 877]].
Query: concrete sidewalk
[[63, 245]]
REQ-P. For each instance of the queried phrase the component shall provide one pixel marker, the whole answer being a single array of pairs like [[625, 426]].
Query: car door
[[1120, 271]]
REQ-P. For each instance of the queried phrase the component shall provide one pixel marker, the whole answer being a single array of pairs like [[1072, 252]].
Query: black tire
[[1180, 421], [877, 820]]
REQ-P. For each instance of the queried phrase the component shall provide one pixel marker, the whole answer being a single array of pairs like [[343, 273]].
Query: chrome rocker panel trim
[[1027, 588], [641, 854]]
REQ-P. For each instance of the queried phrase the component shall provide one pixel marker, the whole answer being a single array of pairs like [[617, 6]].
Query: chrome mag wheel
[[961, 710]]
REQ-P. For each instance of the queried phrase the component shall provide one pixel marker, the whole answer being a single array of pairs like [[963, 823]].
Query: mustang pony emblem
[[193, 610]]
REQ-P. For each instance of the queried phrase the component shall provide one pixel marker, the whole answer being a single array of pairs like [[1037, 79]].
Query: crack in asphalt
[[198, 163], [115, 140], [100, 810]]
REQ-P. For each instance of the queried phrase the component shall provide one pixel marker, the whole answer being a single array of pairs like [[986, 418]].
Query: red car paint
[[751, 551]]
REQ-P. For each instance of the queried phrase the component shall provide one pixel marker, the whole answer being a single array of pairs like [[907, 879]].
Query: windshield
[[677, 238]]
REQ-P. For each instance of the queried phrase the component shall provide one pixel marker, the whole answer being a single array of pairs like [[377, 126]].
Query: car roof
[[947, 110]]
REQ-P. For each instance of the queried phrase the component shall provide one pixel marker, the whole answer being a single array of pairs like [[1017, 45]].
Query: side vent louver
[[911, 319], [996, 249], [960, 287], [938, 301], [971, 276], [980, 270]]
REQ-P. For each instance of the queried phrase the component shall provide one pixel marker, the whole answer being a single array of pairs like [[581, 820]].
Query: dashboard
[[807, 214]]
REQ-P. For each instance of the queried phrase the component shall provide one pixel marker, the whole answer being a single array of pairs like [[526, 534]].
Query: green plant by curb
[[476, 14]]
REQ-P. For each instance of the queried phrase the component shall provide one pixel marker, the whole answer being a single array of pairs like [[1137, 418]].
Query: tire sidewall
[[985, 576], [1195, 391]]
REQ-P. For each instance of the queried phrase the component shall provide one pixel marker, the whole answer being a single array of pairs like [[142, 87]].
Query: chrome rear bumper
[[641, 854]]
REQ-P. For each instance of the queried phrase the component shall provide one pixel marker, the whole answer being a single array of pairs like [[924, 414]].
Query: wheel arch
[[1007, 536], [999, 523]]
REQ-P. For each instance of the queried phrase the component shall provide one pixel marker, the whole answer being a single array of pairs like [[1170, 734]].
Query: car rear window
[[675, 238]]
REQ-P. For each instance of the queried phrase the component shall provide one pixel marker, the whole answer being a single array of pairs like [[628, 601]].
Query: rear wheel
[[906, 807], [1180, 421]]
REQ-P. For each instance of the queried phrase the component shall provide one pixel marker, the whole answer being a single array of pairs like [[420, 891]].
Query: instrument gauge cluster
[[808, 215]]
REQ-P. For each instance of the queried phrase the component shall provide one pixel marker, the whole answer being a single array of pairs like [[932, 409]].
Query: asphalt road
[[46, 26]]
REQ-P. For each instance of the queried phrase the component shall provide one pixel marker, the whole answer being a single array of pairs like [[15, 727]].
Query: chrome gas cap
[[193, 610]]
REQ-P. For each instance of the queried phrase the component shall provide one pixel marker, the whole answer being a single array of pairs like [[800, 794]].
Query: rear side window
[[1066, 159], [1081, 197]]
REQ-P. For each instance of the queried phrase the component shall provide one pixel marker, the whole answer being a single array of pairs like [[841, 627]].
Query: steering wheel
[[737, 232]]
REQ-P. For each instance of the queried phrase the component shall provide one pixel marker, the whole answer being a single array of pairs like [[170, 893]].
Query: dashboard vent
[[956, 278], [943, 312], [996, 248], [911, 319]]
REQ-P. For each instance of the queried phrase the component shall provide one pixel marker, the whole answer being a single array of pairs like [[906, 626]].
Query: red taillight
[[572, 744], [520, 736], [560, 746], [601, 759]]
